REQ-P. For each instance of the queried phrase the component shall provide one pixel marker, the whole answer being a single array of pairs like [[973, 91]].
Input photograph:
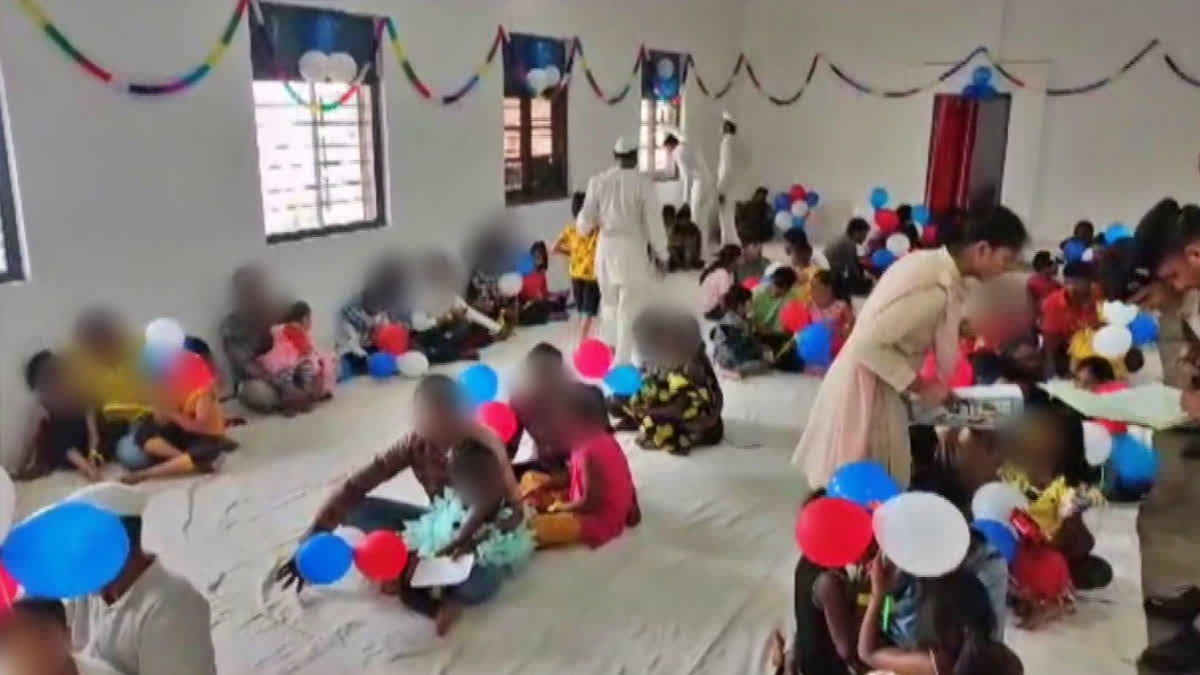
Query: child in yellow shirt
[[800, 252], [581, 252]]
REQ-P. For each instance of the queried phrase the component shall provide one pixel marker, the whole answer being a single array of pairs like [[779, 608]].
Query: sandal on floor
[[1182, 607], [1090, 573]]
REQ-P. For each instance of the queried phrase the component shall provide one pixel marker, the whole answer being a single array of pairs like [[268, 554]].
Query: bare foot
[[447, 615], [132, 478], [776, 652]]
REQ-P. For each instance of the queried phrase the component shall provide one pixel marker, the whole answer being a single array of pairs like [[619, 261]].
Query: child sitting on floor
[[601, 500], [444, 326], [683, 241], [736, 352], [543, 383], [491, 259], [537, 304], [679, 405], [800, 254], [36, 640], [1044, 279], [69, 434], [825, 306], [294, 355], [185, 434], [581, 267], [752, 264], [716, 280], [766, 307], [378, 304]]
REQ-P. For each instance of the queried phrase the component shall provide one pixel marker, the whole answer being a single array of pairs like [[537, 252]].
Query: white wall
[[1105, 155], [150, 204]]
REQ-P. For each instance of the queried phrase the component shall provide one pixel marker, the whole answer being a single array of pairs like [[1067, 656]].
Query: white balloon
[[1143, 435], [1118, 313], [412, 364], [1088, 255], [922, 533], [783, 220], [996, 501], [536, 80], [770, 271], [799, 208], [666, 68], [165, 334], [422, 322], [1112, 342], [8, 503], [1097, 443], [553, 76], [342, 68], [510, 284], [899, 244], [314, 66]]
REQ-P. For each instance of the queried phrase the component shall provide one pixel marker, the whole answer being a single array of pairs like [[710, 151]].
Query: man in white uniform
[[699, 189], [731, 171], [147, 621], [632, 246]]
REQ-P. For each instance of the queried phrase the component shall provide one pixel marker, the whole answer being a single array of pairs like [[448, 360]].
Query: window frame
[[671, 173], [379, 174], [559, 149], [10, 230]]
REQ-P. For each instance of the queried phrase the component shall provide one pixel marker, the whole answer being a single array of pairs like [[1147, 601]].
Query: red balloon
[[499, 418], [8, 589], [381, 556], [929, 235], [751, 283], [794, 317], [1114, 428], [391, 338], [1041, 570], [593, 359], [190, 373], [963, 376], [833, 532], [1110, 387], [887, 220], [797, 193]]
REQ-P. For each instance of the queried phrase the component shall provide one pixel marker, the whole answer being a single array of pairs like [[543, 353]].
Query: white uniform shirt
[[160, 626], [623, 203], [695, 175], [730, 167]]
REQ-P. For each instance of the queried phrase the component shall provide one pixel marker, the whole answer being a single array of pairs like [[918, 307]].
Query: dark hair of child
[[957, 610], [1099, 368], [473, 461], [540, 254], [1100, 240], [43, 609], [684, 214], [735, 298], [796, 239], [996, 226], [857, 226], [545, 350], [669, 213], [1078, 270], [824, 277], [38, 366], [783, 278], [1084, 231], [1135, 360], [438, 391], [198, 347], [585, 405], [1042, 260], [577, 202], [904, 214], [299, 311], [726, 258]]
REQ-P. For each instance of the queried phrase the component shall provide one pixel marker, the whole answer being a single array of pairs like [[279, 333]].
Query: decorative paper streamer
[[186, 81], [638, 64], [1090, 86], [423, 89], [785, 100], [690, 64]]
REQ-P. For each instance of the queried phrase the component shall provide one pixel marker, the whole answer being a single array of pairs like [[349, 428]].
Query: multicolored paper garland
[[186, 81], [194, 75]]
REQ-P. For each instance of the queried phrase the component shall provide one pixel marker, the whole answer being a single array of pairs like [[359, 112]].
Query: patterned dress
[[679, 408]]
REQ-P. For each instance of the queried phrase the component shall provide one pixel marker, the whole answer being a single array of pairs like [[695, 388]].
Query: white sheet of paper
[[443, 571], [1152, 405]]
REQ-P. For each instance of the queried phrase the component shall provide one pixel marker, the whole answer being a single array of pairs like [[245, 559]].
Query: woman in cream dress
[[859, 412]]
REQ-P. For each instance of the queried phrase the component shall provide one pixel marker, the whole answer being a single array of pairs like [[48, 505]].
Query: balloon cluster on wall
[[980, 87], [666, 80], [544, 75], [793, 206]]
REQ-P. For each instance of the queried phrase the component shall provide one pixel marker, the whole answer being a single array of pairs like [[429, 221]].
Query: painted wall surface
[[1105, 155], [150, 204]]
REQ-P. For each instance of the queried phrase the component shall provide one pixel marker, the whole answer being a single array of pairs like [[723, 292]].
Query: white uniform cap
[[623, 146], [728, 117], [674, 131], [117, 498]]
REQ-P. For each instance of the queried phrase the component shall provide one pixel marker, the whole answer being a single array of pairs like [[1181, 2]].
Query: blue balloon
[[972, 92], [68, 550], [542, 54], [156, 361], [814, 344], [1133, 462], [526, 264], [1116, 232], [882, 259], [798, 221], [624, 380], [1073, 250], [1000, 536], [382, 365], [920, 215], [1144, 329], [782, 202], [324, 558], [812, 198], [880, 198], [982, 75], [864, 483], [667, 89], [480, 384]]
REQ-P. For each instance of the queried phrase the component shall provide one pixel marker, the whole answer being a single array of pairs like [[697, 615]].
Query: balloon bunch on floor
[[922, 533], [1125, 327], [394, 356], [793, 206], [887, 220], [63, 551], [326, 557], [813, 340], [1123, 452]]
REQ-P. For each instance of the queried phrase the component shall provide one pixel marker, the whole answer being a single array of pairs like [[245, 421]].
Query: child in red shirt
[[538, 304], [1044, 281], [1069, 310]]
